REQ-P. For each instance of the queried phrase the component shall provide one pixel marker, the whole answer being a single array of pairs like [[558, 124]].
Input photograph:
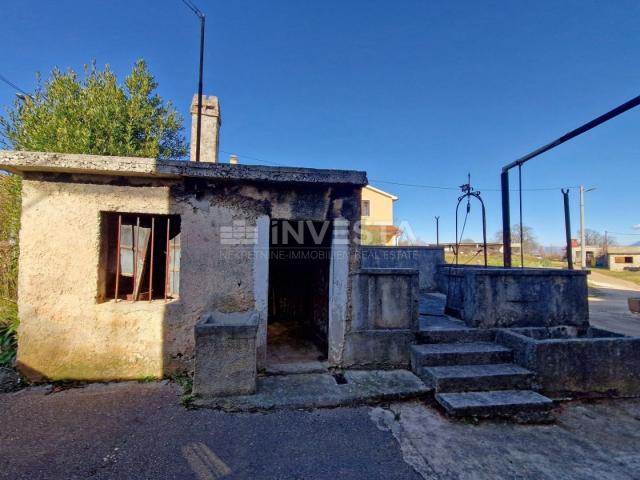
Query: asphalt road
[[139, 431], [608, 307]]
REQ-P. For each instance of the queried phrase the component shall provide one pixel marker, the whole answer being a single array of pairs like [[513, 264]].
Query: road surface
[[608, 307]]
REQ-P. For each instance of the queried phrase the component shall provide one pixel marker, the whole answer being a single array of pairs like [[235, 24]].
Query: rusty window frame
[[144, 258]]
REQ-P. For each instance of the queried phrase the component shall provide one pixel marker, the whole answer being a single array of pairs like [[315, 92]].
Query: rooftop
[[22, 162]]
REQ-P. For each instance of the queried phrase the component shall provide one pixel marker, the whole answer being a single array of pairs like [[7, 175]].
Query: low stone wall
[[424, 259], [512, 297], [595, 363], [384, 318]]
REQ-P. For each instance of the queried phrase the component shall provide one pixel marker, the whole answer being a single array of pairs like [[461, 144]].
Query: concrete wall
[[65, 332], [597, 363], [499, 297], [424, 259], [618, 267], [384, 319]]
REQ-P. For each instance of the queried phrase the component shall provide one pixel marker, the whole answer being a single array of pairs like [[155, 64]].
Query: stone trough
[[569, 361]]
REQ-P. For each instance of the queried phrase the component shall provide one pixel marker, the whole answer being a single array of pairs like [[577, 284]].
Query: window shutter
[[174, 266]]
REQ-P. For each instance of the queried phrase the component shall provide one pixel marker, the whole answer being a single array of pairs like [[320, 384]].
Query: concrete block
[[424, 259], [477, 353], [496, 403], [226, 354], [378, 348], [570, 362], [530, 297]]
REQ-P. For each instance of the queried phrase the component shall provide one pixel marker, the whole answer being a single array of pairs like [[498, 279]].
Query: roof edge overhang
[[21, 162]]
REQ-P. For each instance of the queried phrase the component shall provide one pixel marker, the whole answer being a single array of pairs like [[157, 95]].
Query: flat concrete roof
[[22, 162]]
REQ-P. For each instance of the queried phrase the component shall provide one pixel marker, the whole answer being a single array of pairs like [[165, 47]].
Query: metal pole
[[153, 231], [567, 227], [437, 230], [118, 257], [583, 249], [506, 219], [167, 263], [199, 122]]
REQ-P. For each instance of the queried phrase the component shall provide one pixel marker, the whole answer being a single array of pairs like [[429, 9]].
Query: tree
[[593, 238], [96, 115], [68, 115], [531, 244]]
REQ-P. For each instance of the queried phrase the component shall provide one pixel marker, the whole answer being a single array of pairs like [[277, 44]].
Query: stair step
[[456, 335], [494, 403], [475, 353], [469, 378]]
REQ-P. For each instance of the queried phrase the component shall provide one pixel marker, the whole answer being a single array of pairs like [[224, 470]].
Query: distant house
[[611, 257], [622, 258], [377, 217]]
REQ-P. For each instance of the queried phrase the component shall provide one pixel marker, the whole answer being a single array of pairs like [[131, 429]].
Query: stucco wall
[[381, 208], [66, 333]]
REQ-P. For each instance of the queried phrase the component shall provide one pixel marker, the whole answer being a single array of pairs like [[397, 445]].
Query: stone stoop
[[472, 376]]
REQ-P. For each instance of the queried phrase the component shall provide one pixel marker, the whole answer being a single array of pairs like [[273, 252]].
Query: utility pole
[[567, 227], [200, 15], [583, 246], [583, 252], [437, 230]]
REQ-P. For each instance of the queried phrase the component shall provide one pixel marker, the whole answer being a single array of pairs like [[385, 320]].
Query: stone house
[[121, 257]]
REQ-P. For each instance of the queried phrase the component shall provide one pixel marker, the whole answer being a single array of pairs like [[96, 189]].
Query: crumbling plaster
[[66, 332]]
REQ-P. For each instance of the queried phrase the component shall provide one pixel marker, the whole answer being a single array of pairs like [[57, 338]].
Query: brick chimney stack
[[210, 128]]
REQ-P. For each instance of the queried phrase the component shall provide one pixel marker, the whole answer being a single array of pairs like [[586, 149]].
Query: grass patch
[[633, 277], [497, 261], [8, 336], [186, 382]]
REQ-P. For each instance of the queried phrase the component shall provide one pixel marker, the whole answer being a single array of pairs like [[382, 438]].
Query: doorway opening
[[299, 271]]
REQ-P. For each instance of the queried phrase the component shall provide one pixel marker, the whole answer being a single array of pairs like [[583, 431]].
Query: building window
[[623, 260], [366, 208], [140, 257]]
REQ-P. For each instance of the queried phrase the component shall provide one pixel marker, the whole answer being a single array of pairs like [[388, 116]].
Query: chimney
[[209, 129], [233, 159]]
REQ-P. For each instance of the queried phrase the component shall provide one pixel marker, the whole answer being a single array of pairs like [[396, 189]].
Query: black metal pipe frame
[[468, 195], [199, 122], [567, 228], [504, 176]]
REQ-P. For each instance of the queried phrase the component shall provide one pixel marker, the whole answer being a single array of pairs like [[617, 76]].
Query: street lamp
[[583, 251]]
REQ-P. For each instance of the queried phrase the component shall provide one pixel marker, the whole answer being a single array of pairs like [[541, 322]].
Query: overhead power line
[[13, 85]]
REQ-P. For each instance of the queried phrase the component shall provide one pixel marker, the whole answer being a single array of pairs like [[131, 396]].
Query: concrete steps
[[472, 375], [473, 353], [470, 378], [455, 335], [496, 403]]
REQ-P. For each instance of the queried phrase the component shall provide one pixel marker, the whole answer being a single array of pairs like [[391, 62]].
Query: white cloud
[[636, 226]]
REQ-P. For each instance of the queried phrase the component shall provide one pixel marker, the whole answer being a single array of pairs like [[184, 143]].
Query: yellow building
[[377, 217]]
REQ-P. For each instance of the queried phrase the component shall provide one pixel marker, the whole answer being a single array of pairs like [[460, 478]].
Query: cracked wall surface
[[66, 333]]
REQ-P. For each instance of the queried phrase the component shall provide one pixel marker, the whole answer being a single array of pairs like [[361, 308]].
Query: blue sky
[[413, 92]]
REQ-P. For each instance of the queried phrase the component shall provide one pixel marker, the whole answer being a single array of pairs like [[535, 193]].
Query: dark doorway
[[299, 264]]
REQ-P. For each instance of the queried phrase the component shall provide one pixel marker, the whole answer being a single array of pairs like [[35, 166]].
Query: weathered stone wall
[[66, 333], [425, 259], [385, 317], [596, 363], [499, 297]]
